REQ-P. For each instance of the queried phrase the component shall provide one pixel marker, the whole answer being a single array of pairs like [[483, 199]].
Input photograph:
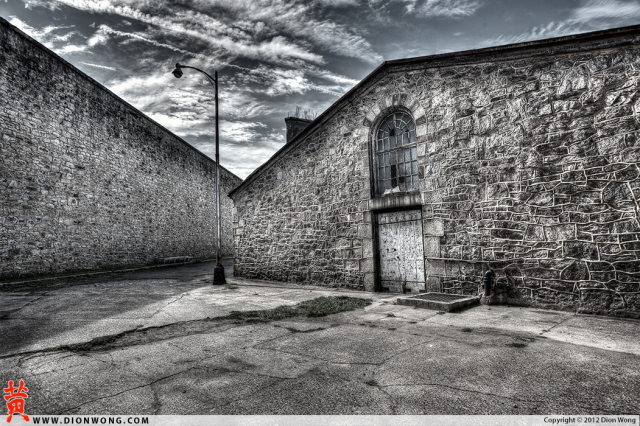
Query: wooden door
[[401, 251]]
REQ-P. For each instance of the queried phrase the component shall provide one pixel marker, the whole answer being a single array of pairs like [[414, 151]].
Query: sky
[[276, 56]]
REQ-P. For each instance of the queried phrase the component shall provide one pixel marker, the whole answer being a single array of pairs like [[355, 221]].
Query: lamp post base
[[218, 275]]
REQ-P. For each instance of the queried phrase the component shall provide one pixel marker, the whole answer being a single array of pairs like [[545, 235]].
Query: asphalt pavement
[[156, 342]]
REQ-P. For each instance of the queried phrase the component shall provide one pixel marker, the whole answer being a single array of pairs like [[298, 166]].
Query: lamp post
[[218, 271]]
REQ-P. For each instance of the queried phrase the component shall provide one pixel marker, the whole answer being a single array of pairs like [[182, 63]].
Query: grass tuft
[[317, 307]]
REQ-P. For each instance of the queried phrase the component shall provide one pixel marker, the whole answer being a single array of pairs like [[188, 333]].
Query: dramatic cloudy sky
[[274, 55]]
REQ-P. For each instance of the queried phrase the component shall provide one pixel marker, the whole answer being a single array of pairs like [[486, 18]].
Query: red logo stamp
[[15, 400]]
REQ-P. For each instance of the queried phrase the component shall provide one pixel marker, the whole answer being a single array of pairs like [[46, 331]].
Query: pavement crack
[[554, 326], [28, 356], [9, 313], [170, 303], [392, 402], [157, 404], [126, 390]]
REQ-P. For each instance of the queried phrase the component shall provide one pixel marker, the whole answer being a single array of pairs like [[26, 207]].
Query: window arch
[[396, 154]]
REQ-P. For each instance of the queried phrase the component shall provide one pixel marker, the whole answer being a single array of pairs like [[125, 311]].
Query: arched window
[[396, 154]]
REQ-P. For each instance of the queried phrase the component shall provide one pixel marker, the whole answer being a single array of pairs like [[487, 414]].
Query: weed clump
[[317, 307]]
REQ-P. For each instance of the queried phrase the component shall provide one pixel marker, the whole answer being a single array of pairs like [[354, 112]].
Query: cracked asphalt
[[177, 356]]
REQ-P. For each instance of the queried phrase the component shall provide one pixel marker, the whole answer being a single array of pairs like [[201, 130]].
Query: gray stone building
[[86, 180], [523, 159]]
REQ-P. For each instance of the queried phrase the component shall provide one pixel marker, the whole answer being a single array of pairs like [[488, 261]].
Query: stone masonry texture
[[87, 181], [528, 165]]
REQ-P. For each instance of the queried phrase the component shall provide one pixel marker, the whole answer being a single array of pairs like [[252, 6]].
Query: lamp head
[[177, 72]]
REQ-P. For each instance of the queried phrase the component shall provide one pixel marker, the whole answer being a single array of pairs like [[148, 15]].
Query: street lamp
[[218, 271]]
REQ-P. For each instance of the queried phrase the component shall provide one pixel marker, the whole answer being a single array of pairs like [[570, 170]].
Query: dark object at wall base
[[218, 275]]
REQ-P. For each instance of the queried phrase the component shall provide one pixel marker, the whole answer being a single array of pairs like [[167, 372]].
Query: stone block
[[433, 227], [534, 233], [431, 246], [369, 281], [559, 233], [366, 265], [367, 247], [364, 231]]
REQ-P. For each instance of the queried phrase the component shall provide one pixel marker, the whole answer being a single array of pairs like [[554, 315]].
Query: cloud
[[100, 37], [276, 81], [51, 5], [442, 8], [98, 66], [275, 30], [595, 10], [593, 15], [70, 48], [47, 35], [552, 29]]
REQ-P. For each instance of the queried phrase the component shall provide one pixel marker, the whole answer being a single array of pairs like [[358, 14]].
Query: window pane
[[414, 181], [396, 152], [389, 123]]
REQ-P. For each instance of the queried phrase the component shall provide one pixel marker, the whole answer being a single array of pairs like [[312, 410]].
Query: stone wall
[[528, 163], [87, 181]]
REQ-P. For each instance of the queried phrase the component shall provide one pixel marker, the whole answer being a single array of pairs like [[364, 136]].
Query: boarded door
[[400, 245]]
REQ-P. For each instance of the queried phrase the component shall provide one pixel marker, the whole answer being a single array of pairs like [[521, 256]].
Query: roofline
[[439, 60], [99, 85]]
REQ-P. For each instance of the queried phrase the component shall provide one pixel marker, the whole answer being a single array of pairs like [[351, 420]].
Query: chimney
[[294, 126]]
